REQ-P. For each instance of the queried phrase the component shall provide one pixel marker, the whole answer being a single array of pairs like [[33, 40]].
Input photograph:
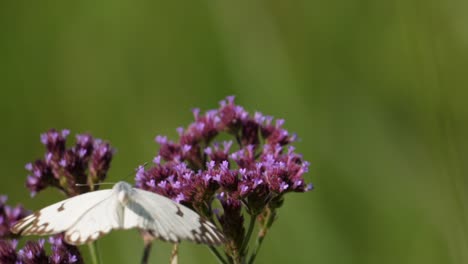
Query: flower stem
[[94, 253], [146, 252], [217, 255], [270, 218], [174, 255], [245, 243]]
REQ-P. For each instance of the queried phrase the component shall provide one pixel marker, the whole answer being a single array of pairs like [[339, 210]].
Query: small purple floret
[[28, 167], [157, 160]]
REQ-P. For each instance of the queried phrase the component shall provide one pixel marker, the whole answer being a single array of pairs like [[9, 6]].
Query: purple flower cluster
[[195, 166], [63, 253], [9, 216], [253, 174], [34, 252], [85, 163]]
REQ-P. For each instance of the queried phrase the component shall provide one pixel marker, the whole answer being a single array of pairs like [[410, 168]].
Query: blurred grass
[[375, 90]]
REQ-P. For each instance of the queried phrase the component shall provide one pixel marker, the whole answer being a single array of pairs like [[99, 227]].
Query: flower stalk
[[174, 254], [94, 253], [250, 229], [148, 243], [146, 253], [270, 216], [217, 255]]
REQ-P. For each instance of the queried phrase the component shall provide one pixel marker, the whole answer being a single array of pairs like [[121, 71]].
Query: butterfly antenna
[[95, 184], [133, 173]]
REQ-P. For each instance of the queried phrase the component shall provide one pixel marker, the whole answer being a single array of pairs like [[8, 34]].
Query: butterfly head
[[123, 191]]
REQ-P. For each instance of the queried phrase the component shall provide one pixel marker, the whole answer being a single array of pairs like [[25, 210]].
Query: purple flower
[[283, 186], [157, 160], [3, 199], [140, 173], [162, 184], [100, 161], [40, 177], [169, 150], [186, 149], [244, 189], [33, 253], [8, 251], [180, 197], [54, 141], [85, 163], [9, 216], [63, 253], [218, 154]]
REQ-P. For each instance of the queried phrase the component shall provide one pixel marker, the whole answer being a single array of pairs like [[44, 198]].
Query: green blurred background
[[376, 90]]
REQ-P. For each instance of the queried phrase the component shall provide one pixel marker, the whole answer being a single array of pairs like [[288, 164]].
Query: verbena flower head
[[9, 215], [8, 251], [63, 253], [260, 165], [34, 252], [253, 170], [87, 162]]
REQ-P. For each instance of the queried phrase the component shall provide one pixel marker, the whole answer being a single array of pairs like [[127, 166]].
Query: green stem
[[239, 141], [217, 255], [270, 218], [146, 252], [245, 243], [94, 253], [256, 250], [237, 260]]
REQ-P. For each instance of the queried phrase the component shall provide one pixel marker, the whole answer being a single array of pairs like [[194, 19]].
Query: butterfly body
[[124, 191], [85, 218]]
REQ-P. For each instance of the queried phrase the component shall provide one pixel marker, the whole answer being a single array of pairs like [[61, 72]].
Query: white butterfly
[[85, 218]]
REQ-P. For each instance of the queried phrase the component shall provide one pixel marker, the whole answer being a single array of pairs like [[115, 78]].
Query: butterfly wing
[[87, 217], [97, 221], [60, 216], [168, 220]]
